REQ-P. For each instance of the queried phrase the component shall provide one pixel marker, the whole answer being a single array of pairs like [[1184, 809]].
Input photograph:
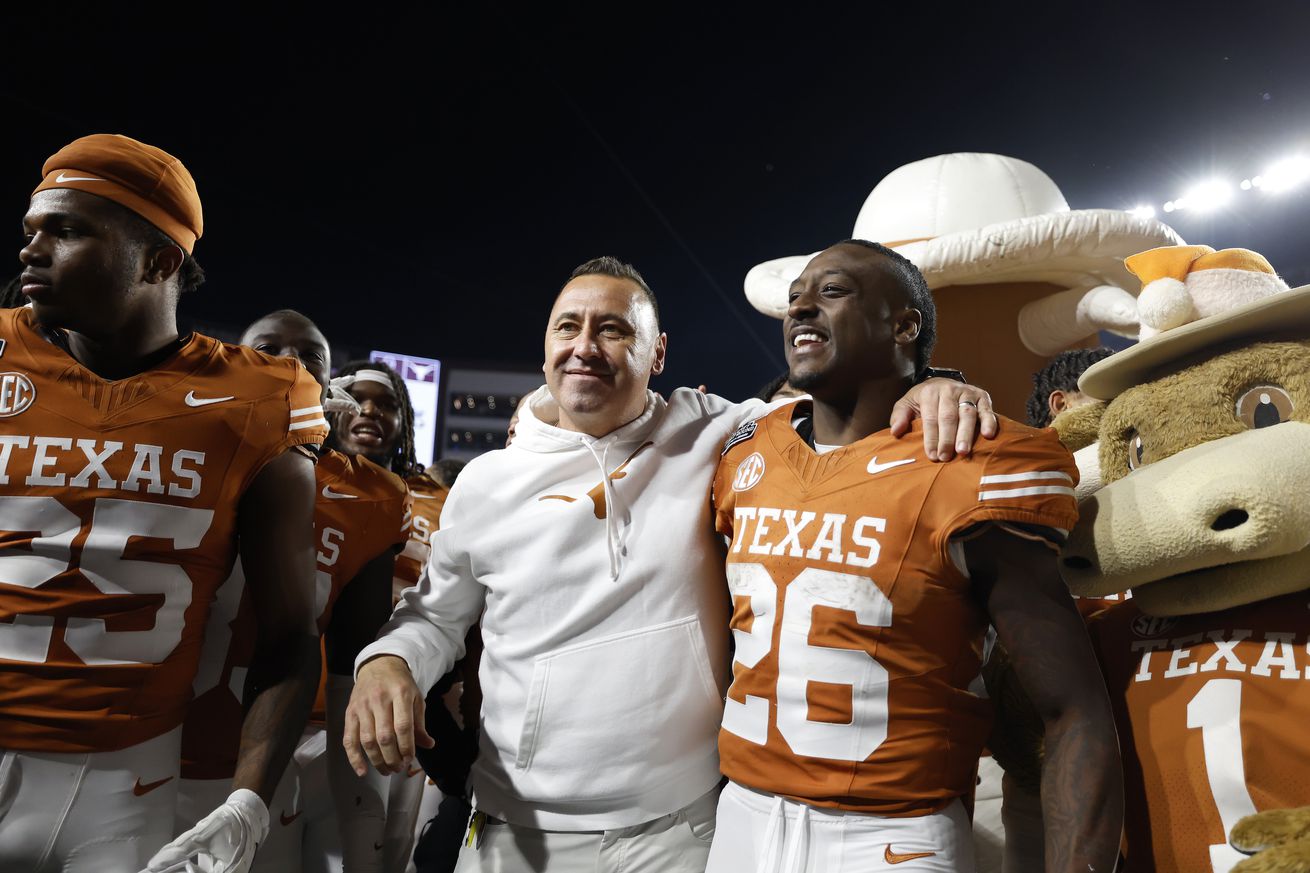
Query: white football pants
[[769, 834], [303, 835], [676, 843], [103, 812]]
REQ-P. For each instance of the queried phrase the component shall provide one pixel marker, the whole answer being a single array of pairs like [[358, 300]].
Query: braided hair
[[12, 297], [403, 460], [1061, 374]]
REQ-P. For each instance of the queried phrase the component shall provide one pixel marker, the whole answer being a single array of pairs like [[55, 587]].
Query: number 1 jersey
[[1211, 711], [858, 638], [118, 511]]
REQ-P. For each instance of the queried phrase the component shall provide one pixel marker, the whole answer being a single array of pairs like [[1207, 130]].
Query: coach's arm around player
[[1044, 637]]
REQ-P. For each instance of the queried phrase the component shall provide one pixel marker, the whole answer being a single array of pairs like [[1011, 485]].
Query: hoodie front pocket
[[604, 716]]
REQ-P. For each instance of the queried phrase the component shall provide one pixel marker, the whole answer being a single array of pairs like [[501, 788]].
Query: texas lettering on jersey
[[118, 523], [857, 635], [1211, 712], [358, 516]]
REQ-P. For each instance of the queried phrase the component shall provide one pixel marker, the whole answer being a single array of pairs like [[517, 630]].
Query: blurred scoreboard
[[423, 379], [478, 407]]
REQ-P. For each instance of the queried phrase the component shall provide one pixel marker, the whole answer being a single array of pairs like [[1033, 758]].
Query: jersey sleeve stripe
[[317, 422], [1025, 492], [1023, 477], [307, 410]]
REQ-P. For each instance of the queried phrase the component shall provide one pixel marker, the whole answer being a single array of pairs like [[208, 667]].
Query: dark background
[[423, 178]]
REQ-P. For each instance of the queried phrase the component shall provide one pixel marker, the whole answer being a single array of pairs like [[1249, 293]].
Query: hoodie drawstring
[[611, 509], [785, 851]]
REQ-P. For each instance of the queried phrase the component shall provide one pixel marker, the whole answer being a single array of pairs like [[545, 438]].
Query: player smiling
[[864, 579]]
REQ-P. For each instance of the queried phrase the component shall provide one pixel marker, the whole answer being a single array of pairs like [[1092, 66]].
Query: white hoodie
[[606, 613]]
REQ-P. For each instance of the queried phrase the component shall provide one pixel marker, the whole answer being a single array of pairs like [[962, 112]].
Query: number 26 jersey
[[118, 511], [857, 635]]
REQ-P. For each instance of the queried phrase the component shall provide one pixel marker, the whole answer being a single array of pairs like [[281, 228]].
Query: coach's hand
[[385, 717], [952, 413]]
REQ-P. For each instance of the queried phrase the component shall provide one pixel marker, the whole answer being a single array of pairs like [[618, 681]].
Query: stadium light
[[1285, 174], [1205, 196], [1142, 212]]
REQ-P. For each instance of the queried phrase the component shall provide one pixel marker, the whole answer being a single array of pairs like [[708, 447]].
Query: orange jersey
[[358, 515], [857, 634], [1092, 606], [1211, 711], [427, 499], [118, 522]]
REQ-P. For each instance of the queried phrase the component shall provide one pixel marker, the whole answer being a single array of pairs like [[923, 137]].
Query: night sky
[[423, 178]]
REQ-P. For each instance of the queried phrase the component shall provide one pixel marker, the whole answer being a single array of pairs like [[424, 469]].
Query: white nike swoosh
[[336, 495], [192, 400], [875, 467], [62, 178]]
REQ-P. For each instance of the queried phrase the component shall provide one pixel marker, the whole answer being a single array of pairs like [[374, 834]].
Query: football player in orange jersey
[[359, 517], [864, 580], [383, 430], [136, 464]]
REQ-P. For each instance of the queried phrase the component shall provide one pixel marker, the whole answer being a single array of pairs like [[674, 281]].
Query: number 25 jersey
[[118, 511], [857, 634]]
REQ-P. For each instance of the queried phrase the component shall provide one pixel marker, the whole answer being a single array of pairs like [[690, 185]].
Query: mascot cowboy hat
[[1017, 276]]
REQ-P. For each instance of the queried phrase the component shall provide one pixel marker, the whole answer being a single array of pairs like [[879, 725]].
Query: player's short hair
[[1061, 374], [917, 293], [447, 470], [607, 265], [190, 275]]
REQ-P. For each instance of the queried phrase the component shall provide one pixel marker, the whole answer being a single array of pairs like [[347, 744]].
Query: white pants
[[104, 812], [676, 843], [988, 829], [768, 834], [404, 797], [302, 830]]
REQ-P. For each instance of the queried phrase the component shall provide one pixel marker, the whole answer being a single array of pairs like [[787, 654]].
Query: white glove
[[222, 842], [339, 399]]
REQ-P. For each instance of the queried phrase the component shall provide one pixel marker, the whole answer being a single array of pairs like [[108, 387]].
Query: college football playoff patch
[[741, 434]]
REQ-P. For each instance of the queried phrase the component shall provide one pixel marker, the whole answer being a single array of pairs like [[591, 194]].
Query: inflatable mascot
[[1017, 277], [1204, 514]]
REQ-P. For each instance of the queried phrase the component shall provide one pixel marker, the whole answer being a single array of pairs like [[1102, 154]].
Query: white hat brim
[[1082, 247], [1282, 315]]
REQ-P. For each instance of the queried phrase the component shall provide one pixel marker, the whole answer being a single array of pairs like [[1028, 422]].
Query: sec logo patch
[[749, 473], [16, 394], [1148, 626]]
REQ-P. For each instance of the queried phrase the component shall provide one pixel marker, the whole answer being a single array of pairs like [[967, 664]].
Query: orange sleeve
[[1024, 476], [306, 424]]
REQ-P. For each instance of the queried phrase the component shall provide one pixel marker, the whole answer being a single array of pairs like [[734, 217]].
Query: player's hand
[[953, 415], [384, 718], [222, 842]]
